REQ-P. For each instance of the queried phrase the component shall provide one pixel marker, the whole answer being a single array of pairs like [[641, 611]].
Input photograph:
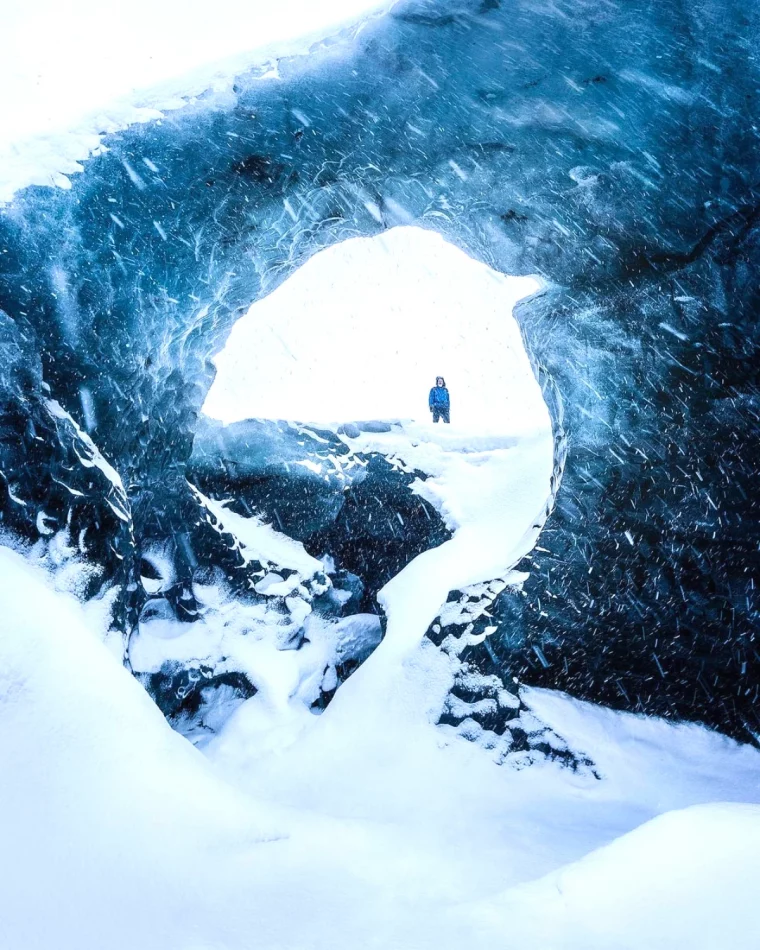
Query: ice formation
[[617, 168], [217, 299]]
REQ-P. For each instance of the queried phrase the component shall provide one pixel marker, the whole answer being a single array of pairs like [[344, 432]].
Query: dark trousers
[[441, 412]]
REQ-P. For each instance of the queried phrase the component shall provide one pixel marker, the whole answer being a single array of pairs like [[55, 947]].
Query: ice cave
[[284, 663]]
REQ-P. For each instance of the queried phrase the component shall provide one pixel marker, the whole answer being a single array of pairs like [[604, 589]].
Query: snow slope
[[117, 834], [96, 792], [683, 879]]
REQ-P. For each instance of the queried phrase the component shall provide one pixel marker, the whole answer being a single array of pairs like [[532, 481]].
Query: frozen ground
[[117, 833]]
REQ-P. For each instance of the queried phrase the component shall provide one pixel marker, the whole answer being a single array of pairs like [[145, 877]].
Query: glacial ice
[[356, 615], [542, 153]]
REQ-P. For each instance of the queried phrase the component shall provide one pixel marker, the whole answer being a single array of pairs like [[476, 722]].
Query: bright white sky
[[363, 328], [81, 66]]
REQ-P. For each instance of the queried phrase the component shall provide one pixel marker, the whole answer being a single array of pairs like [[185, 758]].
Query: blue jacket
[[439, 398]]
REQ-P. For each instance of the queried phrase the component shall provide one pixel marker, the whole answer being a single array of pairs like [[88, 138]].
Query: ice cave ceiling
[[609, 147]]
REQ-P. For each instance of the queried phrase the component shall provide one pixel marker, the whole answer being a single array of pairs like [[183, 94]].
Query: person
[[439, 402]]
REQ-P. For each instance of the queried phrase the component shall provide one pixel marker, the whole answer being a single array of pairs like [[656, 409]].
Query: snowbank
[[686, 879], [103, 809], [116, 833]]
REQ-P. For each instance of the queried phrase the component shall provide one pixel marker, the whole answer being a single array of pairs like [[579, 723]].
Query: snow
[[95, 459], [117, 833], [682, 879], [72, 72], [368, 825], [252, 638], [261, 541], [494, 497], [96, 792]]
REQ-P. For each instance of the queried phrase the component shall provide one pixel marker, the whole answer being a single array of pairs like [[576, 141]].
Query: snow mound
[[96, 791], [684, 879]]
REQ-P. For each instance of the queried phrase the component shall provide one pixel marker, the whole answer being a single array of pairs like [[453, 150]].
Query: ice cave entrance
[[358, 335], [361, 331]]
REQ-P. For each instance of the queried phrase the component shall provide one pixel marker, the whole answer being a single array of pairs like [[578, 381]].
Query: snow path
[[494, 497]]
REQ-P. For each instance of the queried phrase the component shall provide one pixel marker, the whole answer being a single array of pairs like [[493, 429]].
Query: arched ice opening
[[351, 343]]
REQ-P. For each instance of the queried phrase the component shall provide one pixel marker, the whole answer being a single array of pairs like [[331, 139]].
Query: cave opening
[[348, 348], [316, 451]]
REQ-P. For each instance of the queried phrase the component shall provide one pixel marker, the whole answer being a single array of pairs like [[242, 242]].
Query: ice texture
[[608, 149]]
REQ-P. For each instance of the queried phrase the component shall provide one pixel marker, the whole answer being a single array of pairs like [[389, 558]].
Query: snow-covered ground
[[493, 493], [117, 833]]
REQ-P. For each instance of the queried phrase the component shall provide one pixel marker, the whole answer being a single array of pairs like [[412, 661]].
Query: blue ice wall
[[610, 148]]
